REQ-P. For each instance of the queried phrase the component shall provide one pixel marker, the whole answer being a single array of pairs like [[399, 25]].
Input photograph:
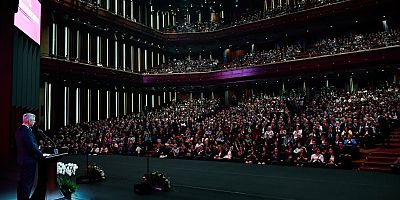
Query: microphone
[[44, 136]]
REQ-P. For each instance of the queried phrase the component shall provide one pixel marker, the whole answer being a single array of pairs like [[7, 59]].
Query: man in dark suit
[[28, 155]]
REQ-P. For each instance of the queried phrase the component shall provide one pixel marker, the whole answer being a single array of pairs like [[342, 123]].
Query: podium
[[47, 187]]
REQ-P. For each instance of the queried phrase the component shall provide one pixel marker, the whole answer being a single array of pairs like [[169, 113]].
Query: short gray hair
[[28, 117]]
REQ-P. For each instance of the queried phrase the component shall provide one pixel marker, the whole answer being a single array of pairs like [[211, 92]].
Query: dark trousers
[[26, 178]]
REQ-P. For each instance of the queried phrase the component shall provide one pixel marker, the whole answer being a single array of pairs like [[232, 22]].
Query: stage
[[198, 180]]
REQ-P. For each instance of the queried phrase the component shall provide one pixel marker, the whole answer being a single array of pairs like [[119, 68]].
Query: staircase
[[395, 139], [381, 159]]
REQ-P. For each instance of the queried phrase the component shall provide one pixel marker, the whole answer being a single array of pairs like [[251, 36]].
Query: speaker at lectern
[[47, 187]]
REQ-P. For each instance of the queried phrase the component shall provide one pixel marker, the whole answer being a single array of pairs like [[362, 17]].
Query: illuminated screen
[[27, 19]]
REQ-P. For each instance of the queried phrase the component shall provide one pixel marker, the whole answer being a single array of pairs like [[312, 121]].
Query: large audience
[[248, 17], [288, 52], [326, 128], [182, 66], [328, 46]]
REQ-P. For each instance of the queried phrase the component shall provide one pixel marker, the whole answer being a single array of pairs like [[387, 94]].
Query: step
[[384, 154], [375, 164], [377, 169], [395, 145], [395, 140], [381, 159], [392, 145]]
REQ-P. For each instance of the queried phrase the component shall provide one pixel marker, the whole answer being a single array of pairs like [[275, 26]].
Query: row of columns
[[75, 104], [103, 51], [141, 13], [78, 104]]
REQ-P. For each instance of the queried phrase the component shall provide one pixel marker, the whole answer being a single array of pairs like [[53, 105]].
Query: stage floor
[[193, 179]]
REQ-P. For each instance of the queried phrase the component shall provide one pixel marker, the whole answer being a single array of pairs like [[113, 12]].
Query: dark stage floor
[[201, 180]]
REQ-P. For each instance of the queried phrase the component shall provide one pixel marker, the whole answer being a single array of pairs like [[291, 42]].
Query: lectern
[[47, 187]]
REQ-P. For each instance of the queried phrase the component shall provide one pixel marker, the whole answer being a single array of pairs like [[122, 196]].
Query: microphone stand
[[45, 137], [88, 178]]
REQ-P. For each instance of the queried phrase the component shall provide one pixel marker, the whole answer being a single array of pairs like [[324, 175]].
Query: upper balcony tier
[[340, 14], [367, 59]]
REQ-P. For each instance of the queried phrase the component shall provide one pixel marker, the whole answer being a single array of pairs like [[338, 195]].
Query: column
[[66, 106], [145, 60], [188, 17], [107, 53], [164, 97], [47, 105], [123, 57], [98, 104], [145, 101], [77, 105], [54, 39], [88, 48], [152, 18], [265, 5], [125, 106], [152, 101], [66, 43], [158, 21], [98, 54], [78, 45], [132, 59], [163, 19], [116, 55], [199, 16], [116, 103], [168, 19], [173, 19], [351, 84], [140, 14], [89, 105], [132, 17], [152, 59], [123, 8], [139, 59], [116, 7], [108, 96]]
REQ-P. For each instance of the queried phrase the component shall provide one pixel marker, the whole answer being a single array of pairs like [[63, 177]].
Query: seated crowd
[[325, 129], [248, 17], [182, 66], [192, 27], [328, 46]]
